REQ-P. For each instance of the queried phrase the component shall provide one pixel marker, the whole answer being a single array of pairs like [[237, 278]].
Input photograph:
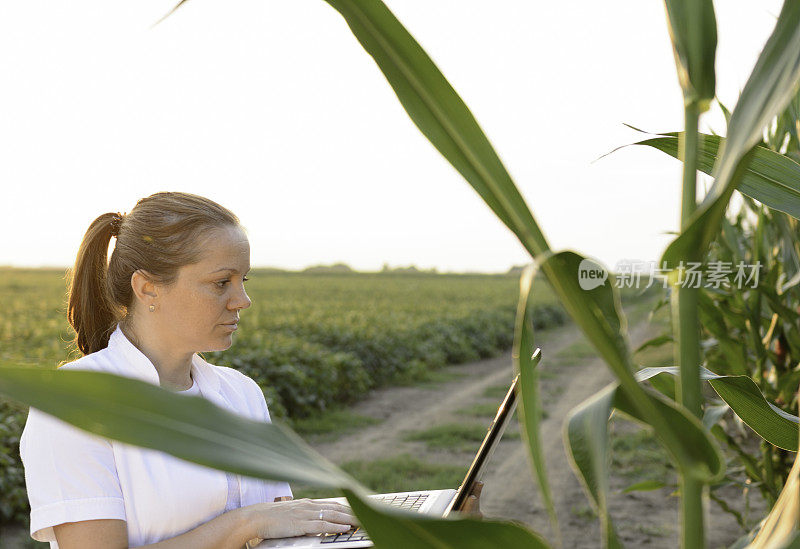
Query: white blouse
[[73, 475], [234, 501]]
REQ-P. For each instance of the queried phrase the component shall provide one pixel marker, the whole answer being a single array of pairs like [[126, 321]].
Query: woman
[[174, 286]]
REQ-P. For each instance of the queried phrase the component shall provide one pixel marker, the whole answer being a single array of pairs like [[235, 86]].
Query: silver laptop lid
[[493, 436]]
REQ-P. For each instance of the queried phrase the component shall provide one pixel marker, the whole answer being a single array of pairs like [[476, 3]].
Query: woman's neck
[[174, 370]]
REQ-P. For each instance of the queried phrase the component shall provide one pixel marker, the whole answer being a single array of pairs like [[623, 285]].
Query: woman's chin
[[222, 343]]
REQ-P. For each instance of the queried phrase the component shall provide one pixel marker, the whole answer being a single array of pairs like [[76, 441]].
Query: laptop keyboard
[[411, 502]]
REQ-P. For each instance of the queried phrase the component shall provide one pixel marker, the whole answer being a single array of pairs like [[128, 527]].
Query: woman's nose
[[241, 301]]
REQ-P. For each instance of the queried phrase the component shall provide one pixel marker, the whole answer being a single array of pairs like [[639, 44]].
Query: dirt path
[[643, 519]]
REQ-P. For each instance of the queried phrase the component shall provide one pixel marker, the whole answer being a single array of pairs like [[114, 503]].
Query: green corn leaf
[[393, 529], [586, 440], [196, 430], [440, 114], [595, 307], [187, 427], [657, 341], [746, 400], [693, 30], [644, 486], [694, 435], [771, 178], [771, 86], [530, 409], [665, 385]]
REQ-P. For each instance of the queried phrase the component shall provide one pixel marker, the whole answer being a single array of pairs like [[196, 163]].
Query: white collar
[[141, 367]]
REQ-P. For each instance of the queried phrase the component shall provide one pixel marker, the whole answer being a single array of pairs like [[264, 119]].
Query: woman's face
[[200, 310]]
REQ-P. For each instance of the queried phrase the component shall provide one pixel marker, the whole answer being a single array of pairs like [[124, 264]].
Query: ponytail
[[90, 310]]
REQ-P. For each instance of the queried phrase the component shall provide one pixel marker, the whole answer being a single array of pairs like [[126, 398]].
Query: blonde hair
[[162, 233]]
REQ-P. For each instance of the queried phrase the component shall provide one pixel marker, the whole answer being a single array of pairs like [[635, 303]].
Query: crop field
[[311, 341]]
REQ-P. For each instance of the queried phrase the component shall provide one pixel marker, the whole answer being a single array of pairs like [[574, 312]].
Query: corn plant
[[195, 430], [752, 330]]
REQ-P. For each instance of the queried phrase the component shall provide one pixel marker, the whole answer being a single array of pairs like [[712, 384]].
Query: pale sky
[[274, 110]]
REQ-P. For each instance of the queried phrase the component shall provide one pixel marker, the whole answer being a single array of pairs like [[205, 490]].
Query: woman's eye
[[245, 279], [222, 283]]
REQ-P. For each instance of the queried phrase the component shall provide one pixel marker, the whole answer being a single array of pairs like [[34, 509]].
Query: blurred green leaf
[[644, 486], [657, 341], [391, 528], [712, 414], [196, 430], [187, 427]]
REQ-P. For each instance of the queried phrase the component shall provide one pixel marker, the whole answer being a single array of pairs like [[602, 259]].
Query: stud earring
[[152, 308]]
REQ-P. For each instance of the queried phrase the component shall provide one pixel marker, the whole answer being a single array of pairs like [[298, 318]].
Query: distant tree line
[[344, 268]]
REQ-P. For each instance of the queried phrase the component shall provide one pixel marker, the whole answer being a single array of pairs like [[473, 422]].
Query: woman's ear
[[143, 286]]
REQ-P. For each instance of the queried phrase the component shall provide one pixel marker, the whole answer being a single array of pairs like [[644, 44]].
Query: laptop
[[438, 503]]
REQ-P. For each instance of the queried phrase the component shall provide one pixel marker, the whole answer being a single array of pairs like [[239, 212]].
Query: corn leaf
[[771, 178], [746, 400], [440, 114], [530, 409], [597, 310], [656, 341], [190, 428], [586, 440], [770, 87], [693, 30], [644, 486], [393, 529], [196, 430]]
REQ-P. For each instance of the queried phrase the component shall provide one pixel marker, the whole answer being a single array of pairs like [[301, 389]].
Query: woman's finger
[[329, 515], [336, 507], [324, 527], [333, 506], [339, 508], [469, 505], [477, 488]]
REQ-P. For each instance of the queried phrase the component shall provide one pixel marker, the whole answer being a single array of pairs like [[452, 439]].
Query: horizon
[[393, 268]]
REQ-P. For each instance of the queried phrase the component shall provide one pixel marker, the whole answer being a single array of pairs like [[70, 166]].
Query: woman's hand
[[472, 505], [299, 517]]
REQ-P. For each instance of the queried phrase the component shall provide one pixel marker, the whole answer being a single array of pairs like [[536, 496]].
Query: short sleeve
[[70, 475]]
